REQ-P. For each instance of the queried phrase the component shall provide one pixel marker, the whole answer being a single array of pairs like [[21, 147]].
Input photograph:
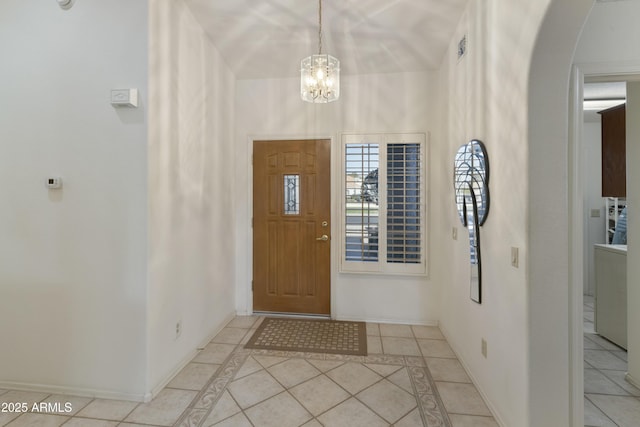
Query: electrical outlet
[[514, 257], [483, 348], [178, 328], [454, 233]]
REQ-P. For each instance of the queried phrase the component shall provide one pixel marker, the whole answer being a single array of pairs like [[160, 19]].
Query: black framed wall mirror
[[471, 186]]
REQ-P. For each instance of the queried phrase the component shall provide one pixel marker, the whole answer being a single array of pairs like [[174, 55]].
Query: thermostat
[[54, 182], [124, 97]]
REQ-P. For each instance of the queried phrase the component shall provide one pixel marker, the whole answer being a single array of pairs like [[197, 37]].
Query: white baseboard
[[73, 391], [167, 378], [492, 408], [216, 331], [114, 395], [185, 360], [391, 321], [634, 382]]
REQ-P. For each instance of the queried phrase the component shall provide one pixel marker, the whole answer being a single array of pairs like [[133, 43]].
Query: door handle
[[324, 238]]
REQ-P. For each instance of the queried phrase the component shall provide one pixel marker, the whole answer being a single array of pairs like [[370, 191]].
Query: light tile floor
[[609, 400], [409, 373]]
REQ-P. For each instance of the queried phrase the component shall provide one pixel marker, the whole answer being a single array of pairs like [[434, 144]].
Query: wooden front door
[[291, 226]]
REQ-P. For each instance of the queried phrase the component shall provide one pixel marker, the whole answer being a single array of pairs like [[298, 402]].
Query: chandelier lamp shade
[[320, 74]]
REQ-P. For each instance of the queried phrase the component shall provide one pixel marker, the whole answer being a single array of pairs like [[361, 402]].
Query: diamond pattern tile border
[[310, 335], [430, 406]]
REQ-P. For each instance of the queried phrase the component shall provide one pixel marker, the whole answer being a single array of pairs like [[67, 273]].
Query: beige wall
[[527, 49], [191, 190], [485, 99], [73, 260], [368, 103], [95, 276], [633, 230]]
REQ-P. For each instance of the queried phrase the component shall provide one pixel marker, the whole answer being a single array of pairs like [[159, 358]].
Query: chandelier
[[320, 74]]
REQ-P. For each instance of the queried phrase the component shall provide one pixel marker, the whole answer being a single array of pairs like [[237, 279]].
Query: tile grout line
[[435, 393], [238, 350], [406, 365], [628, 393], [315, 417], [600, 409], [432, 383], [601, 348], [206, 399], [382, 378], [285, 388], [199, 414]]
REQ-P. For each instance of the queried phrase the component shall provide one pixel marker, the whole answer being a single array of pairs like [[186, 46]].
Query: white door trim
[[625, 71]]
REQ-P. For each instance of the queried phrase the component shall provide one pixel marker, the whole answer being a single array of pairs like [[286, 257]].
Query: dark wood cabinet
[[614, 156]]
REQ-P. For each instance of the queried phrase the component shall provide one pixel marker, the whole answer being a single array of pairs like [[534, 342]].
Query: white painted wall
[[483, 100], [191, 190], [97, 274], [526, 378], [633, 231], [522, 307], [73, 261], [368, 103], [610, 34], [594, 226]]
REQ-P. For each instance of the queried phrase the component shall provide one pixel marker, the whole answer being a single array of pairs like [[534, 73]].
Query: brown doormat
[[310, 335]]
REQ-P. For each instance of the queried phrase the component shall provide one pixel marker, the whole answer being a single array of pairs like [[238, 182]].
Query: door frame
[[335, 226], [577, 231]]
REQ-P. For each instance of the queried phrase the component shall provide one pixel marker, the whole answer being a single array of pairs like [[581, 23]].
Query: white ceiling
[[599, 96], [605, 91], [268, 38]]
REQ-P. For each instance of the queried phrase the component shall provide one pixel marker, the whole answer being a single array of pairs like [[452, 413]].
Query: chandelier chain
[[319, 27]]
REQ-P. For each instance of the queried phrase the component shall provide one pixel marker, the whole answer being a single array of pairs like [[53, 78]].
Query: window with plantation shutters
[[404, 244], [384, 213], [361, 202]]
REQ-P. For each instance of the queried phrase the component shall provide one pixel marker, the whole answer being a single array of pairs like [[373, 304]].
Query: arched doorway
[[553, 303]]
